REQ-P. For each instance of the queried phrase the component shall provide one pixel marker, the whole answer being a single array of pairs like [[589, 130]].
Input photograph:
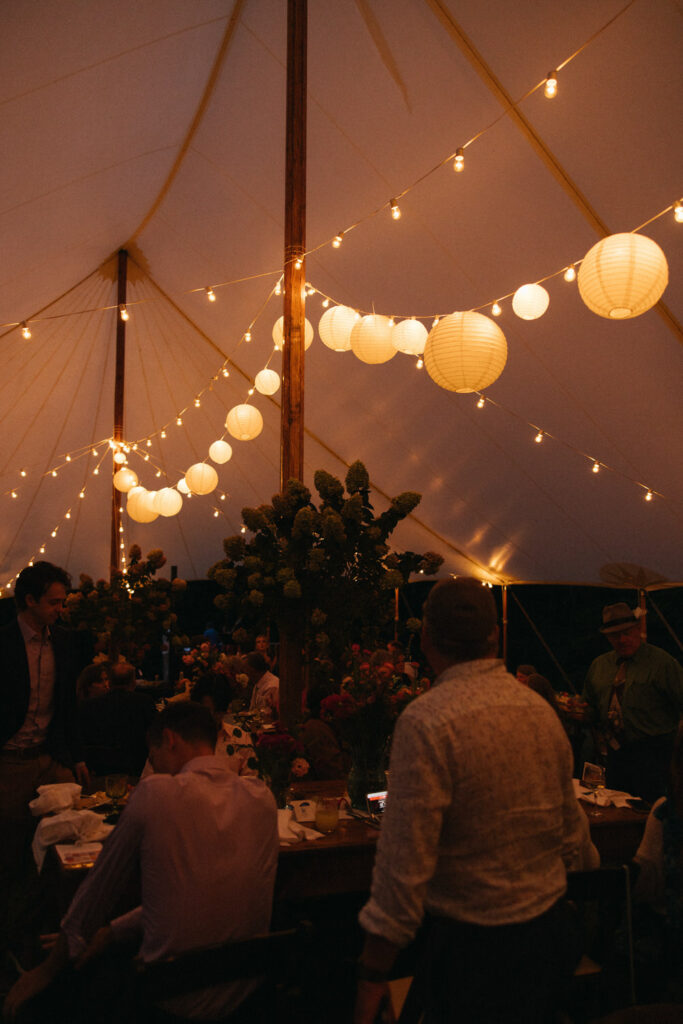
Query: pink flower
[[299, 767]]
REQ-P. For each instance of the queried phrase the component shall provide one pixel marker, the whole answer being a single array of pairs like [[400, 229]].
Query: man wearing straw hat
[[635, 698]]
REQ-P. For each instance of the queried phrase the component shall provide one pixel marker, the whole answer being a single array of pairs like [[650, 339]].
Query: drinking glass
[[326, 814], [115, 787], [593, 778]]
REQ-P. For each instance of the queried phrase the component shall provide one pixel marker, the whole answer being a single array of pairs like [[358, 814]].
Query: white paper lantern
[[371, 339], [530, 301], [267, 382], [465, 352], [335, 327], [167, 501], [220, 452], [279, 337], [182, 486], [140, 505], [124, 479], [120, 458], [410, 337], [201, 478], [623, 276], [244, 422]]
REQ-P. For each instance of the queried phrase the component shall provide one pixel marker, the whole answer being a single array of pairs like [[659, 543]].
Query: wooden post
[[119, 390], [505, 625], [292, 408]]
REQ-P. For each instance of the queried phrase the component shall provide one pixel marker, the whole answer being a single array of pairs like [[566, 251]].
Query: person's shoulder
[[658, 654]]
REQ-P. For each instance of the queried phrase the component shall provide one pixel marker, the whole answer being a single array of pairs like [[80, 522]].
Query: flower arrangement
[[280, 756], [205, 658]]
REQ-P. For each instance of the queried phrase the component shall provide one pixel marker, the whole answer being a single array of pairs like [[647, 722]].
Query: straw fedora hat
[[618, 617]]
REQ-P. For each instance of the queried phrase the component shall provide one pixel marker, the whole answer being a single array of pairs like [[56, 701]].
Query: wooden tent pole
[[119, 379], [505, 625], [292, 407]]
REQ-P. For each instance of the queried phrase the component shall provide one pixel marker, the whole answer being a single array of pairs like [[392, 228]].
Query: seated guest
[[214, 692], [322, 749], [265, 696], [114, 726], [541, 686], [263, 646], [523, 673], [94, 681], [205, 843]]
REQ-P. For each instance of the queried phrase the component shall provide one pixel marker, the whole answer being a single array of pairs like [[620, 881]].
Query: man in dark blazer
[[39, 736]]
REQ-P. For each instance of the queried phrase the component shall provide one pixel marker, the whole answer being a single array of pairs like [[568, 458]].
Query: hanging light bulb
[[247, 336], [420, 363], [225, 371], [123, 313], [298, 263], [67, 515], [570, 273], [54, 472], [495, 309], [81, 494], [395, 209], [148, 442], [596, 467], [325, 303], [539, 437], [162, 434], [678, 211], [14, 494], [197, 403], [337, 240], [481, 402], [67, 458], [551, 85], [179, 421], [22, 472], [42, 549], [648, 496], [278, 288], [435, 321], [25, 331], [459, 162], [119, 458], [210, 294]]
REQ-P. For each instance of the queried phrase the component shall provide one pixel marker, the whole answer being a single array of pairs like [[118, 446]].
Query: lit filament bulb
[[123, 313], [596, 467], [120, 529], [225, 371], [459, 162], [25, 331], [539, 437], [247, 336], [243, 529], [42, 549], [337, 240], [251, 391], [210, 294], [14, 494], [480, 403], [22, 473], [395, 209], [678, 211], [570, 273], [197, 403], [420, 363], [278, 289], [495, 309], [222, 497], [325, 303], [96, 471], [149, 442], [648, 496], [215, 514], [179, 421], [158, 473], [54, 472], [67, 515], [54, 533], [163, 434], [298, 263], [435, 321], [81, 494], [68, 459], [551, 85]]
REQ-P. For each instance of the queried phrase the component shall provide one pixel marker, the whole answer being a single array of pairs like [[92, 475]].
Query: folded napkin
[[80, 826], [58, 797], [602, 797], [290, 831]]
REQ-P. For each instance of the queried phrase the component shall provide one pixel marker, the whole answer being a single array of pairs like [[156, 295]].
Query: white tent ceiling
[[159, 126]]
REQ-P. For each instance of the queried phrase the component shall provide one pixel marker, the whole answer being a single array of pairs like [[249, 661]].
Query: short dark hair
[[526, 670], [542, 686], [215, 686], [36, 579], [122, 674], [192, 722], [459, 618], [256, 661]]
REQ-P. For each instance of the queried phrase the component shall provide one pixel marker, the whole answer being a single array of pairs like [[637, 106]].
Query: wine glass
[[593, 778], [115, 787]]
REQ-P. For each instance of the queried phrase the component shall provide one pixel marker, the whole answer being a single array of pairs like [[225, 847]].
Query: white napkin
[[57, 797], [290, 831], [602, 797], [81, 826]]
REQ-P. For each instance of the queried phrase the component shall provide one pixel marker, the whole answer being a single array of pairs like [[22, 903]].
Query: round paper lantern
[[410, 336], [124, 479], [167, 501], [244, 422], [140, 505], [201, 478], [279, 337], [182, 486], [335, 327], [119, 458], [371, 339], [623, 276], [220, 452], [530, 301], [267, 382], [465, 352]]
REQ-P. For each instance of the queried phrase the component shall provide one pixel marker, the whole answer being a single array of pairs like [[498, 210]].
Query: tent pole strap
[[119, 379]]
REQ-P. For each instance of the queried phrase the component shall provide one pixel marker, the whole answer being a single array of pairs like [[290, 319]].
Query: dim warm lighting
[[123, 313], [25, 331], [419, 364], [119, 458], [481, 402], [325, 303], [459, 162], [298, 263], [337, 240], [570, 273], [395, 210], [539, 437], [648, 496], [678, 211], [596, 467], [495, 309], [623, 276], [210, 294], [530, 301], [278, 288], [179, 421], [197, 403], [23, 471], [551, 85]]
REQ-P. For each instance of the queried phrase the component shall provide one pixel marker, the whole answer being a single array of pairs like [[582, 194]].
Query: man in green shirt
[[635, 699]]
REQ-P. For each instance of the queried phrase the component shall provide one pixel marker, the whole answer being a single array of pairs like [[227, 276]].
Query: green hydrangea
[[357, 478], [255, 597], [406, 502], [235, 547], [329, 488], [292, 589], [304, 522]]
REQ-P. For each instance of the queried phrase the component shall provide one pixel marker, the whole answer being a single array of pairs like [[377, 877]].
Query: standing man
[[39, 736], [265, 697], [480, 827], [635, 699]]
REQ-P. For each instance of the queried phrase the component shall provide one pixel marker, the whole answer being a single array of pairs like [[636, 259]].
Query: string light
[[179, 421], [678, 211], [23, 471], [54, 472], [163, 434], [243, 529], [420, 363], [96, 471], [325, 303], [459, 162], [25, 331], [495, 309], [148, 442], [123, 313], [435, 321], [596, 467], [278, 289], [337, 240], [197, 403], [210, 294], [551, 85], [68, 458], [81, 494], [298, 263], [67, 515], [247, 336], [14, 494], [570, 273], [481, 402], [648, 496], [395, 209], [539, 437], [225, 371]]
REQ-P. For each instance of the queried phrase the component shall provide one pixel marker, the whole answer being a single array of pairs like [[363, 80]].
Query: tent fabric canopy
[[159, 127]]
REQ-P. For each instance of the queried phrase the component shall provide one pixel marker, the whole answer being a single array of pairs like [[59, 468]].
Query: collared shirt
[[266, 694], [41, 668], [652, 701], [206, 844], [481, 820]]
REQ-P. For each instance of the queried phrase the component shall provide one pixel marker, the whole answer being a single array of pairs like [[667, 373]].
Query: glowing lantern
[[140, 505], [410, 336], [182, 486], [465, 352], [371, 339], [335, 327], [530, 301], [201, 478], [244, 422], [279, 337], [220, 452], [623, 276], [267, 382], [167, 501], [124, 479]]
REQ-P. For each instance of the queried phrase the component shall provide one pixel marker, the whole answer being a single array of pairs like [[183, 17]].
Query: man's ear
[[169, 739]]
